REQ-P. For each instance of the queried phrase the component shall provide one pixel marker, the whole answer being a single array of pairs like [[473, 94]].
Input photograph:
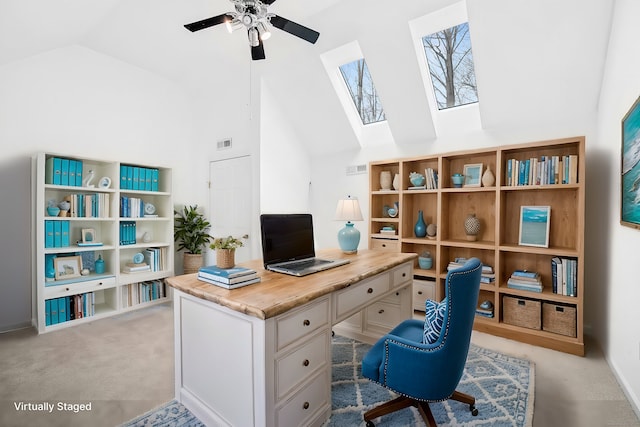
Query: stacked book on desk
[[525, 280], [228, 278]]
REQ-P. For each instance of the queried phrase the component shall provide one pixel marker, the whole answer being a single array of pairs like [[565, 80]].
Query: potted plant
[[191, 233], [225, 248]]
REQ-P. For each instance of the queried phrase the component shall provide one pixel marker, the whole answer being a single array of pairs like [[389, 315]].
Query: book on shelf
[[228, 285], [524, 285], [459, 262], [136, 268], [526, 273], [484, 313], [564, 276], [226, 272]]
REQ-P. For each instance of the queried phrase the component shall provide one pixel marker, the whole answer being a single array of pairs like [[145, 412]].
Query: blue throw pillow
[[434, 320]]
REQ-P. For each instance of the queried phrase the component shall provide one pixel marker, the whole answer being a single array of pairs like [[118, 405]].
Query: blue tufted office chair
[[423, 372]]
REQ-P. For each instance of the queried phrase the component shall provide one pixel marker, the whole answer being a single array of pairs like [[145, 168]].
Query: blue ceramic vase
[[420, 229]]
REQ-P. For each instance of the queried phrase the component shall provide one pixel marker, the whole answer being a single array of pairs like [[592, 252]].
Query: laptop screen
[[286, 237]]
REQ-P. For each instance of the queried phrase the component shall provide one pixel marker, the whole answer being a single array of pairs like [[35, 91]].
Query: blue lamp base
[[349, 238]]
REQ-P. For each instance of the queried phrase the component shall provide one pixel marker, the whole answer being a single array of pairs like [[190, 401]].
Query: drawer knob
[[100, 284], [306, 322], [306, 362], [404, 274], [384, 245], [306, 405], [381, 311], [67, 289], [419, 292], [370, 290]]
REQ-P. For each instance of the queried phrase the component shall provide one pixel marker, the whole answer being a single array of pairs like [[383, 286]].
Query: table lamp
[[349, 237]]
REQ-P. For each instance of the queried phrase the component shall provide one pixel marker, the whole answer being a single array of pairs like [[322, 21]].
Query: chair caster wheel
[[474, 410], [370, 424]]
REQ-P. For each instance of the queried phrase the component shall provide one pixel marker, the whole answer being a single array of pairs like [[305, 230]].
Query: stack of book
[[488, 276], [525, 280], [228, 278], [132, 267], [484, 309]]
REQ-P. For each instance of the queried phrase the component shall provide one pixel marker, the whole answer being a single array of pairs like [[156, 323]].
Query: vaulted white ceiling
[[536, 62]]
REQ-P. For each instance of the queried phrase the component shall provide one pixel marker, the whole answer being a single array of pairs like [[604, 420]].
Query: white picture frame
[[473, 175], [534, 226]]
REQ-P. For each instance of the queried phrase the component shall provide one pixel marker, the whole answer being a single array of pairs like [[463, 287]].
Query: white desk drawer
[[301, 322], [306, 403], [297, 366], [401, 275], [360, 294], [385, 313], [422, 291]]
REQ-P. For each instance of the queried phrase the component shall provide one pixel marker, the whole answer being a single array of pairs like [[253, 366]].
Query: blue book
[[64, 175], [72, 173], [135, 183], [226, 272], [53, 311], [64, 228], [78, 173], [53, 170], [123, 177], [62, 311], [47, 312], [57, 234], [154, 180], [525, 273], [129, 177], [147, 179], [48, 234]]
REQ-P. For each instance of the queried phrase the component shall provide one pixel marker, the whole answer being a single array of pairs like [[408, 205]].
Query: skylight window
[[362, 90], [450, 62]]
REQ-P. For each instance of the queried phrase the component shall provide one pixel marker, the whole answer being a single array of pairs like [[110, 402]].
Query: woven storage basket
[[559, 319], [225, 258], [523, 312]]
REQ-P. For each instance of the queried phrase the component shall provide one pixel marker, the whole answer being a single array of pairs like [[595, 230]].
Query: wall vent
[[224, 144], [356, 169]]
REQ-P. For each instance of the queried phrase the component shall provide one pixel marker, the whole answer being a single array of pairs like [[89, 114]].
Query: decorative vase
[[488, 179], [396, 182], [385, 180], [420, 229], [457, 179], [225, 258], [99, 265], [431, 231], [191, 263], [472, 227]]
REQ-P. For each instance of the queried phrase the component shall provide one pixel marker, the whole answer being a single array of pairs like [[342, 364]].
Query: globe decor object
[[417, 179], [472, 227]]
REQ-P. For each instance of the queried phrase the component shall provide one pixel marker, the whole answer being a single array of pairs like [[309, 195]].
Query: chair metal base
[[404, 402]]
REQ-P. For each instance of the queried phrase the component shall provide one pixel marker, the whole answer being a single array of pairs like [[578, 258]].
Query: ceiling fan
[[253, 15]]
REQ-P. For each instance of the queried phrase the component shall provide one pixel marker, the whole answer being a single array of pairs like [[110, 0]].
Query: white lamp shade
[[348, 210]]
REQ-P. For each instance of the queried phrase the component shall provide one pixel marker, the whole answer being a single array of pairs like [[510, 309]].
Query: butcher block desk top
[[278, 293]]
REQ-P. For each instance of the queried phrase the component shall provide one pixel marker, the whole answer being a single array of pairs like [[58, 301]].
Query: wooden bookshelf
[[497, 245]]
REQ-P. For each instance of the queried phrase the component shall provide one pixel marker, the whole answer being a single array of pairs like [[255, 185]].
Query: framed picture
[[88, 235], [472, 175], [630, 178], [534, 226], [67, 267]]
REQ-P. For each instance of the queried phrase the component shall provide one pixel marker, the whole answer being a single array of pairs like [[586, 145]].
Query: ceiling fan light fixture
[[263, 31], [233, 24], [253, 37]]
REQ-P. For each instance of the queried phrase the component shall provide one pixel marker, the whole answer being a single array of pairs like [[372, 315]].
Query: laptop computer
[[288, 246]]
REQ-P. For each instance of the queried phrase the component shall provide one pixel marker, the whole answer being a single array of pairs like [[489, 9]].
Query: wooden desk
[[261, 355]]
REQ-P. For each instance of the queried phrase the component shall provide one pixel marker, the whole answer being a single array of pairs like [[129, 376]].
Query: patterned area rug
[[502, 385]]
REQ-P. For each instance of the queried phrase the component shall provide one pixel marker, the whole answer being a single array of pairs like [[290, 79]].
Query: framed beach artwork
[[534, 226], [67, 267], [630, 179], [472, 175]]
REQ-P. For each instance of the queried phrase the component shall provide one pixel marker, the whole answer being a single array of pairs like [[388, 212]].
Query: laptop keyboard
[[301, 265]]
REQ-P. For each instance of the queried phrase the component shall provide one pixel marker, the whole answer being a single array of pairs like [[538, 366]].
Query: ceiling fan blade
[[257, 52], [209, 22], [296, 29]]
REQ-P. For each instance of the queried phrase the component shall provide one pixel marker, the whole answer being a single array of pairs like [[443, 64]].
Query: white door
[[230, 199]]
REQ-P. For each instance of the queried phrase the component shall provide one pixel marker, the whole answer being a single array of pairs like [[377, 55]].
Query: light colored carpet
[[502, 385]]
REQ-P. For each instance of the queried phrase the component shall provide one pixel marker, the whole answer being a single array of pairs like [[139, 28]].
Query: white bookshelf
[[111, 292]]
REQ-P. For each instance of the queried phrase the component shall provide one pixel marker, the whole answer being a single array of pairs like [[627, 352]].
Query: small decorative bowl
[[425, 263], [53, 211], [417, 180]]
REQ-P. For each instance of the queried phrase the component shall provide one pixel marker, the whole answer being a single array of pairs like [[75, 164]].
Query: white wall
[[74, 100], [615, 291], [285, 166]]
